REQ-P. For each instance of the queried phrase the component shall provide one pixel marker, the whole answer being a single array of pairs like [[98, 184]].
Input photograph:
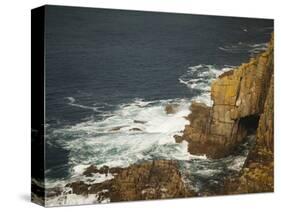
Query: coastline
[[161, 179]]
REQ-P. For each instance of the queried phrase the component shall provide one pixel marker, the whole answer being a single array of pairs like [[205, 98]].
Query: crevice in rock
[[250, 123]]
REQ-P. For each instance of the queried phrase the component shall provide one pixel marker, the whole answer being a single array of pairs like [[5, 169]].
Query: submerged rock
[[117, 128], [171, 108], [139, 122], [135, 129]]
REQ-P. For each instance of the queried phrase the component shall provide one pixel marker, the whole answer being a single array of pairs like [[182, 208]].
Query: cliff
[[239, 109], [243, 104], [258, 172]]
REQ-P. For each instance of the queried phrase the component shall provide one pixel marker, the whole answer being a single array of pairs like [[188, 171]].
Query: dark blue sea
[[111, 73]]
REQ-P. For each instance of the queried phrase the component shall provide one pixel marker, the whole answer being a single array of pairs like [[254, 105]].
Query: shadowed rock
[[178, 138], [258, 172], [171, 108], [117, 128], [139, 122], [135, 129]]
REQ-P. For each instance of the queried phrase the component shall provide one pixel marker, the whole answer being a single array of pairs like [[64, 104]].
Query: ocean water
[[110, 74]]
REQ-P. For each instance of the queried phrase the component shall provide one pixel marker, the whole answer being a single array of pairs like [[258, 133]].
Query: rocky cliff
[[243, 104], [159, 179], [239, 109], [258, 172]]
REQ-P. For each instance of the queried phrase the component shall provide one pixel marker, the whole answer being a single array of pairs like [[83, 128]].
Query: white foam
[[237, 163], [119, 140], [257, 48], [80, 168], [200, 77], [245, 48], [136, 131], [99, 178], [72, 102], [95, 142], [74, 199], [206, 172], [98, 143]]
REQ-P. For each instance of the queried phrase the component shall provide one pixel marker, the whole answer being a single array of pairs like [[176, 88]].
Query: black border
[[37, 105]]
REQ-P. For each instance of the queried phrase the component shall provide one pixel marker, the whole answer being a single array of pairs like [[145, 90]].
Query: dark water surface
[[97, 60]]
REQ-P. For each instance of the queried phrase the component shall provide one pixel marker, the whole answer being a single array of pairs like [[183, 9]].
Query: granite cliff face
[[239, 109], [258, 172], [243, 104]]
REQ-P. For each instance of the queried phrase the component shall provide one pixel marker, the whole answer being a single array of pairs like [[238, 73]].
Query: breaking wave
[[199, 77], [241, 47], [136, 131]]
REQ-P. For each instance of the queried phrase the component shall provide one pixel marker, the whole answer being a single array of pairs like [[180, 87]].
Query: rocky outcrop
[[258, 172], [151, 180], [159, 179], [256, 176], [238, 98], [243, 104]]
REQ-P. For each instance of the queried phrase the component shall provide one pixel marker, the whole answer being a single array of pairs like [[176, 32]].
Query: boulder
[[178, 138], [171, 108]]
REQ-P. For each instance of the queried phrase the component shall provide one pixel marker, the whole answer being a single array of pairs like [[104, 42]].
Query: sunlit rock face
[[240, 107], [258, 172]]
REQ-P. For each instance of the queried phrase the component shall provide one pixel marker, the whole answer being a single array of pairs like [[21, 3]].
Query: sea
[[111, 73]]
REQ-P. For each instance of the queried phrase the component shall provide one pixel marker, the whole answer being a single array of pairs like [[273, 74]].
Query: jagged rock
[[171, 108], [149, 180], [238, 101], [139, 122], [79, 187], [265, 132], [178, 138], [258, 172], [90, 170], [103, 170], [256, 176]]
